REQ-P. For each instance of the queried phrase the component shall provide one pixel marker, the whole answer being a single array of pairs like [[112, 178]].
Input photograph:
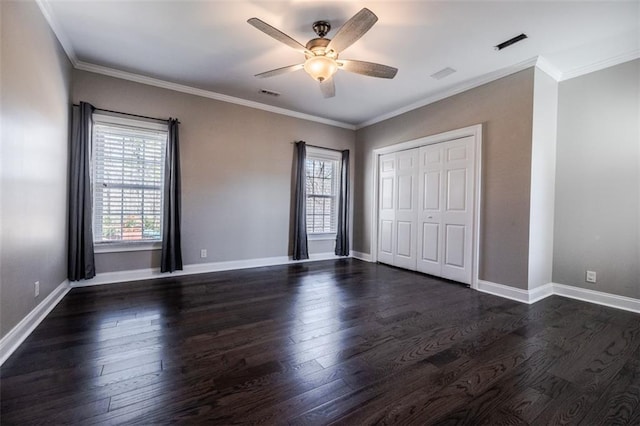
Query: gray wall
[[505, 108], [236, 170], [35, 82], [598, 181]]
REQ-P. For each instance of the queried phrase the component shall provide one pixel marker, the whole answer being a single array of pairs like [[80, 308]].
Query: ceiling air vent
[[510, 42], [445, 72], [269, 93]]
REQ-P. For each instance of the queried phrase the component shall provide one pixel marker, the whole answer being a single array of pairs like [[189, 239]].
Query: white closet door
[[387, 213], [406, 209], [457, 216], [445, 217], [430, 198]]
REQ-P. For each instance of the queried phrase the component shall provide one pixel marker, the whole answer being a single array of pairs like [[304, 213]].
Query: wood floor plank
[[498, 400], [434, 401], [526, 404], [618, 401], [339, 341]]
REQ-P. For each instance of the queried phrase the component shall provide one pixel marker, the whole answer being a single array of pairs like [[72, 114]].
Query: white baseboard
[[361, 256], [14, 338], [598, 297], [198, 268], [539, 293], [505, 291]]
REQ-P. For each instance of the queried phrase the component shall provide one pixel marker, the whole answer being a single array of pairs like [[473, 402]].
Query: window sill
[[321, 237], [124, 247]]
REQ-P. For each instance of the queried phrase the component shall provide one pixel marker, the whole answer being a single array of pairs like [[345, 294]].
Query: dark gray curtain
[[342, 237], [81, 262], [171, 257], [300, 250]]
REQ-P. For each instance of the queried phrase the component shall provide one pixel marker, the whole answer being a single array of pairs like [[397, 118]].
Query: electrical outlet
[[36, 289], [591, 277], [203, 253]]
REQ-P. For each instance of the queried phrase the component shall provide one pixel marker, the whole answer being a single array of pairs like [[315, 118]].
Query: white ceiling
[[208, 45]]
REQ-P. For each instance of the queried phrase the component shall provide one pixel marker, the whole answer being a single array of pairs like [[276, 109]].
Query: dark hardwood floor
[[315, 343]]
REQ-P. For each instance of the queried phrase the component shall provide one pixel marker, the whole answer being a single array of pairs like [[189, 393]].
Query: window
[[322, 169], [128, 168]]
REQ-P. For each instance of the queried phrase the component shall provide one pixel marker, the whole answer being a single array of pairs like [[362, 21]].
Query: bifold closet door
[[406, 232], [387, 208], [445, 214], [398, 200]]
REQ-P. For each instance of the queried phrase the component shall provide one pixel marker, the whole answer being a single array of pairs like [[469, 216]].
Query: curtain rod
[[321, 147], [129, 114]]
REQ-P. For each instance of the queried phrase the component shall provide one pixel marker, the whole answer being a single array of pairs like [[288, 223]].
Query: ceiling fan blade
[[328, 88], [352, 30], [277, 34], [367, 68], [279, 71]]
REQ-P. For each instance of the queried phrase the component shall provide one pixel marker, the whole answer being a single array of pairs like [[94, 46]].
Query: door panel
[[386, 237], [456, 189], [404, 239], [387, 164], [386, 193], [405, 192], [457, 153], [430, 242], [431, 157], [406, 161], [431, 190], [454, 246]]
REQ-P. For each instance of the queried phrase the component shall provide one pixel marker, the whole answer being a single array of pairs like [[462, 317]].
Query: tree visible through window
[[128, 167], [321, 186]]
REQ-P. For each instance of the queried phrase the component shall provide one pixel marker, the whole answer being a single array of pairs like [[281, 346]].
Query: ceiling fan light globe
[[320, 68]]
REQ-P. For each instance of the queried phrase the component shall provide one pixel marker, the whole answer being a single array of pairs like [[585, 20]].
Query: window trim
[[117, 246], [125, 245], [141, 123], [322, 236], [327, 155]]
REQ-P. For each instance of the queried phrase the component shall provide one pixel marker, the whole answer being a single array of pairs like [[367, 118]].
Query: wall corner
[[543, 172]]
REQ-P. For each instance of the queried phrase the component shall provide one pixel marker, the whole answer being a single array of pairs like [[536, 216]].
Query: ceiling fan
[[322, 53]]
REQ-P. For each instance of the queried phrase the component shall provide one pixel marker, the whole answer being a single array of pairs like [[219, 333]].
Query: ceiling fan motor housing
[[319, 47]]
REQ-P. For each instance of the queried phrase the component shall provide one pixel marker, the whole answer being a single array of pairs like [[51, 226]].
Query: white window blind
[[322, 186], [128, 168]]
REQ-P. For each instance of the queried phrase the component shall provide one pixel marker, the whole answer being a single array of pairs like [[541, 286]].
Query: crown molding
[[549, 69], [138, 78], [49, 16], [600, 65], [454, 90]]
